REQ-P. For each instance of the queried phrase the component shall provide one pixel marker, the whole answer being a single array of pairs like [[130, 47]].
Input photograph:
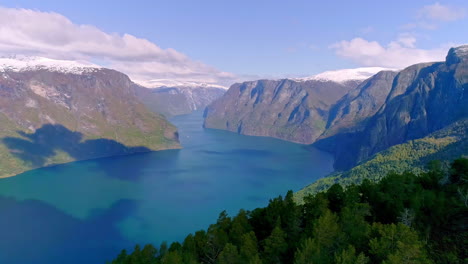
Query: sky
[[221, 42]]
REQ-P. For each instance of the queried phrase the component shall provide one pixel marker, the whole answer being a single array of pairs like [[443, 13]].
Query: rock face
[[179, 100], [352, 111], [287, 109], [49, 115], [424, 98]]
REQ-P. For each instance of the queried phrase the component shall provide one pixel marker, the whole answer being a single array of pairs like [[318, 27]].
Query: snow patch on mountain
[[161, 83], [26, 63], [345, 75]]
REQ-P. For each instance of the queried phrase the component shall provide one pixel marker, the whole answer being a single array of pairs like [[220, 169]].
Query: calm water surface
[[86, 212]]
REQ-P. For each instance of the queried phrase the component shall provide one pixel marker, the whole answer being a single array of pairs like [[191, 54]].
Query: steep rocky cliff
[[424, 98], [287, 109], [53, 115], [354, 109]]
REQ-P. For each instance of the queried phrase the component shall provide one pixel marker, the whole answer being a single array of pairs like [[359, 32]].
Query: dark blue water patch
[[86, 212], [35, 232]]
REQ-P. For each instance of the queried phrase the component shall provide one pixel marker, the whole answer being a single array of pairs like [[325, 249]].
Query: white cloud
[[396, 54], [440, 12], [48, 34]]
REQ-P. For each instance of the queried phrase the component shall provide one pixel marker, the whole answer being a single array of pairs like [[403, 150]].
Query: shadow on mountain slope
[[50, 140]]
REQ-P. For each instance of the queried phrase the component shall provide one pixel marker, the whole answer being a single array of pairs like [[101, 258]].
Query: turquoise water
[[86, 212]]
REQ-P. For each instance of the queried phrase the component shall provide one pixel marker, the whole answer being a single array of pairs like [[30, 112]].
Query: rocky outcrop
[[178, 100], [51, 116], [287, 109]]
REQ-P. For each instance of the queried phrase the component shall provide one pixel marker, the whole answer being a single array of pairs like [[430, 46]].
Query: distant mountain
[[178, 100], [295, 110], [54, 111]]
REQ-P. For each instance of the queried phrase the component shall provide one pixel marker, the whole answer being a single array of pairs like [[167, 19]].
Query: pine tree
[[172, 257], [308, 253], [275, 245], [229, 255], [348, 256], [148, 254], [249, 248]]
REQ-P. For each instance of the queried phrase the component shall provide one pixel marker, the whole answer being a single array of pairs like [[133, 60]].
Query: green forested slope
[[415, 155]]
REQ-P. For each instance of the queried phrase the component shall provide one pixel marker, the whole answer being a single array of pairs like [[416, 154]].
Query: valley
[[233, 132]]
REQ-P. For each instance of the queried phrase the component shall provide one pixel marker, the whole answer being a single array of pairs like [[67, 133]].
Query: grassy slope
[[444, 145]]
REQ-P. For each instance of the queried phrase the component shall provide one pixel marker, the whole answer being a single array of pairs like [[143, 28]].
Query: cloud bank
[[396, 54], [48, 34]]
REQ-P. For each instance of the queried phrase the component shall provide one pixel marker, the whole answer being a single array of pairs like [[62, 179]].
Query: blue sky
[[251, 39]]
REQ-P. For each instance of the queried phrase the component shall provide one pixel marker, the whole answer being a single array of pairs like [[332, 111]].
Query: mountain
[[294, 110], [424, 98], [54, 111], [178, 100], [297, 110], [341, 113]]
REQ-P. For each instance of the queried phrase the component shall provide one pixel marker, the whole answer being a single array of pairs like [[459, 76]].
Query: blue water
[[86, 212]]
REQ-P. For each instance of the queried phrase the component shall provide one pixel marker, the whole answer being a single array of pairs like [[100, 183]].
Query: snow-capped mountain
[[20, 63], [345, 75]]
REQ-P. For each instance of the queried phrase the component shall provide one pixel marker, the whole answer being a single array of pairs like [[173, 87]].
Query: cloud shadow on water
[[35, 232]]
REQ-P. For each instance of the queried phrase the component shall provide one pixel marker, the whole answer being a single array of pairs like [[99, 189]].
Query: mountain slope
[[352, 111], [178, 100], [55, 114], [424, 98], [291, 110], [444, 145]]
